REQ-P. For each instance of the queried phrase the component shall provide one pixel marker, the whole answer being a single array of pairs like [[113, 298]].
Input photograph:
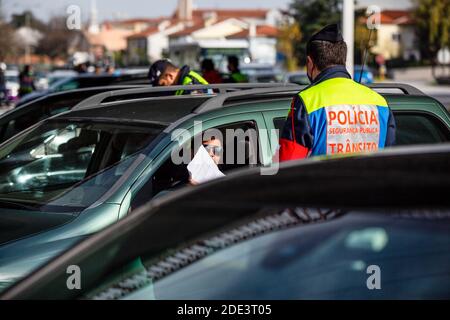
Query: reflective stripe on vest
[[189, 79], [345, 117], [239, 77]]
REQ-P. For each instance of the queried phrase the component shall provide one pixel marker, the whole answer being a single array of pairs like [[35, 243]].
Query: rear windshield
[[286, 255], [68, 165]]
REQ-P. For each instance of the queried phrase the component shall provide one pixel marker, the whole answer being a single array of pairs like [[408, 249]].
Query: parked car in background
[[76, 173], [41, 80], [59, 75], [301, 77], [86, 81], [28, 114], [259, 72], [363, 75], [297, 77], [276, 237]]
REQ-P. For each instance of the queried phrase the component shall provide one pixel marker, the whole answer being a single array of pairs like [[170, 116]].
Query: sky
[[110, 9]]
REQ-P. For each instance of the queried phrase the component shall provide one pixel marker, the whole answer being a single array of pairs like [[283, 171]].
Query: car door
[[163, 172]]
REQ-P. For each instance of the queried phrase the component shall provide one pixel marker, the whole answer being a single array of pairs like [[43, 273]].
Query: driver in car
[[214, 148]]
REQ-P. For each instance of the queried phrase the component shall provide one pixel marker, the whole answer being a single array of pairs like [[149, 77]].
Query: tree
[[7, 41], [27, 19], [312, 15], [362, 34], [8, 46], [432, 19], [57, 37], [288, 36]]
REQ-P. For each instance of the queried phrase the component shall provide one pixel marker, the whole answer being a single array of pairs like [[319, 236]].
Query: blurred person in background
[[81, 68], [171, 75], [209, 72], [236, 76], [26, 81], [109, 69], [98, 69]]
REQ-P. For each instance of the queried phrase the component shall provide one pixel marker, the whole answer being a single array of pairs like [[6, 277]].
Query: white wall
[[263, 50]]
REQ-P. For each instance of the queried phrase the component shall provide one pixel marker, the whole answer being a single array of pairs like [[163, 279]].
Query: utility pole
[[348, 26], [27, 45]]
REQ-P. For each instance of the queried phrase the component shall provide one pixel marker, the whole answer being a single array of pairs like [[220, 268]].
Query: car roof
[[67, 95], [156, 106], [415, 178], [142, 104]]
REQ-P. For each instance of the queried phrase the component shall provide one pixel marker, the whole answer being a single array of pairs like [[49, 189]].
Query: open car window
[[240, 150]]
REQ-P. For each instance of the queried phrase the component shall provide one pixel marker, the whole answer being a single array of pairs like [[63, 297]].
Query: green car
[[80, 171]]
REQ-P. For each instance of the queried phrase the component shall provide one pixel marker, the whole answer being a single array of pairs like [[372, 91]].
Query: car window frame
[[161, 158]]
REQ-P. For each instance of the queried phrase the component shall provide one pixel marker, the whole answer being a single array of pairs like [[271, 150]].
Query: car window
[[299, 79], [239, 150], [323, 261], [278, 123], [34, 113], [69, 85], [419, 128], [74, 161], [412, 128]]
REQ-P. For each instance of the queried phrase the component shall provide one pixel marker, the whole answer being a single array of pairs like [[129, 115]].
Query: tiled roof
[[232, 13], [396, 17], [262, 31], [145, 33], [187, 31]]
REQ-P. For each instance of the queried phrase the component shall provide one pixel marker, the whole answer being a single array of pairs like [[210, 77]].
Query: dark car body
[[86, 81], [312, 231], [28, 114]]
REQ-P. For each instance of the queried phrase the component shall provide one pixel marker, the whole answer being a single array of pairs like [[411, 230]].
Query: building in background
[[396, 37], [152, 43], [217, 33], [187, 37]]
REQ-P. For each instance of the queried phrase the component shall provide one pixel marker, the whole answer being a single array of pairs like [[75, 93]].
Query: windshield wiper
[[17, 205]]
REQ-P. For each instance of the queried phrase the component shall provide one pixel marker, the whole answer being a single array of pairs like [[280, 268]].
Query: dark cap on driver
[[330, 33], [156, 71]]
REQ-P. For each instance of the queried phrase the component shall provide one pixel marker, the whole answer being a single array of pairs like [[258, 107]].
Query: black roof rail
[[405, 88], [221, 88], [218, 101]]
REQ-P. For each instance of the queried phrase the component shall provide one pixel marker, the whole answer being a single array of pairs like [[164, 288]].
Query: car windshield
[[324, 261], [267, 259], [67, 165], [60, 83]]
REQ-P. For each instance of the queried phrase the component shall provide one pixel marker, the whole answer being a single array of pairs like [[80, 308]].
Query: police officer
[[236, 76], [334, 115], [171, 75]]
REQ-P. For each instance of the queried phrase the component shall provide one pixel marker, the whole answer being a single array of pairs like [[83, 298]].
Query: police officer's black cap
[[330, 33], [155, 71]]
